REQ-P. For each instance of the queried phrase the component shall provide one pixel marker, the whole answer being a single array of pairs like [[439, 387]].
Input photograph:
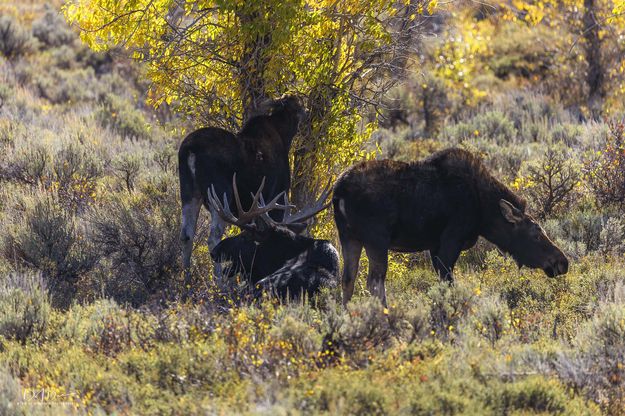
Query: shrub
[[433, 102], [104, 327], [596, 363], [120, 115], [578, 227], [605, 171], [528, 107], [333, 396], [65, 86], [127, 168], [52, 240], [29, 165], [522, 53], [64, 57], [52, 30], [9, 394], [71, 172], [492, 318], [297, 336], [24, 307], [534, 394], [491, 125], [75, 172], [139, 235], [566, 133], [549, 181], [418, 317], [449, 304], [14, 41], [612, 237], [365, 326]]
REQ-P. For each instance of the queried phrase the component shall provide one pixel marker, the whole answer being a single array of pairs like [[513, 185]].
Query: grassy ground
[[498, 342]]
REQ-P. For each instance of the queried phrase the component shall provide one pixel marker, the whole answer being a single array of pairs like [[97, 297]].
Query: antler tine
[[310, 212], [273, 204], [259, 194], [223, 210], [258, 206], [235, 191]]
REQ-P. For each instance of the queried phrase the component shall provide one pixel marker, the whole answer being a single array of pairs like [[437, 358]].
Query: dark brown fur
[[441, 204], [211, 156]]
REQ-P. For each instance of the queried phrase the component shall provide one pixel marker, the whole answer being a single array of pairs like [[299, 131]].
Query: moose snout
[[557, 267]]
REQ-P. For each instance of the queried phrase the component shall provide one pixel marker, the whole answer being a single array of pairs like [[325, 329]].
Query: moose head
[[265, 245], [527, 242]]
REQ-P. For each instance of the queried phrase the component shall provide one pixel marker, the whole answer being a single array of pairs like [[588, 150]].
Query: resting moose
[[441, 204], [210, 156], [271, 254]]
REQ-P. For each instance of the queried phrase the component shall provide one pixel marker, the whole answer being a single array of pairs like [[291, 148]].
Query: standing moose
[[210, 156], [441, 204], [272, 255]]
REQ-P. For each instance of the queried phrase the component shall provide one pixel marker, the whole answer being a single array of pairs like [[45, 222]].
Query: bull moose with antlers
[[210, 156], [441, 204], [272, 254]]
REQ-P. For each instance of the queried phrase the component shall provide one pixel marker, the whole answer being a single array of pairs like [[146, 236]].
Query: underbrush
[[497, 342]]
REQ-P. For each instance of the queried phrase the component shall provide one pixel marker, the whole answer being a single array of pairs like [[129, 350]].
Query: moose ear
[[511, 213]]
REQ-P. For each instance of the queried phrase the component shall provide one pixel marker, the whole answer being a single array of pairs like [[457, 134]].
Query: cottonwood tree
[[216, 60]]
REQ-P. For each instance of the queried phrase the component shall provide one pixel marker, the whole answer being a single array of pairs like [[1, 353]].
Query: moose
[[441, 204], [272, 255], [210, 156]]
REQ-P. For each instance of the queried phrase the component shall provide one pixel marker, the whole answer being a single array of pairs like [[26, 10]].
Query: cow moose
[[270, 254], [441, 204], [210, 156]]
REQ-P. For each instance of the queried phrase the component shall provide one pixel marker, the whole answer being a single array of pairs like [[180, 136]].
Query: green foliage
[[120, 115], [138, 234], [606, 168], [9, 394], [493, 319], [523, 52], [50, 239], [24, 307], [533, 394], [550, 181], [450, 304], [14, 40], [52, 30], [596, 363], [493, 126]]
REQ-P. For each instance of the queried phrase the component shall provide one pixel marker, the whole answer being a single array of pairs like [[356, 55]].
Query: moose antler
[[300, 218], [244, 217]]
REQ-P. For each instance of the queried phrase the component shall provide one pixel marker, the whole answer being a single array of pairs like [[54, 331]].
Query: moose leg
[[351, 257], [444, 259], [190, 212], [217, 228], [378, 263]]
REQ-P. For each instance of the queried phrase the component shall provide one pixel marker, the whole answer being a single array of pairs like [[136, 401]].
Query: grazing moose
[[210, 156], [441, 204], [271, 254]]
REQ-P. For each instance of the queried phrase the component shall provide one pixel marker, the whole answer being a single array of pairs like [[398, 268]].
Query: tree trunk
[[595, 76], [305, 178], [252, 67]]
